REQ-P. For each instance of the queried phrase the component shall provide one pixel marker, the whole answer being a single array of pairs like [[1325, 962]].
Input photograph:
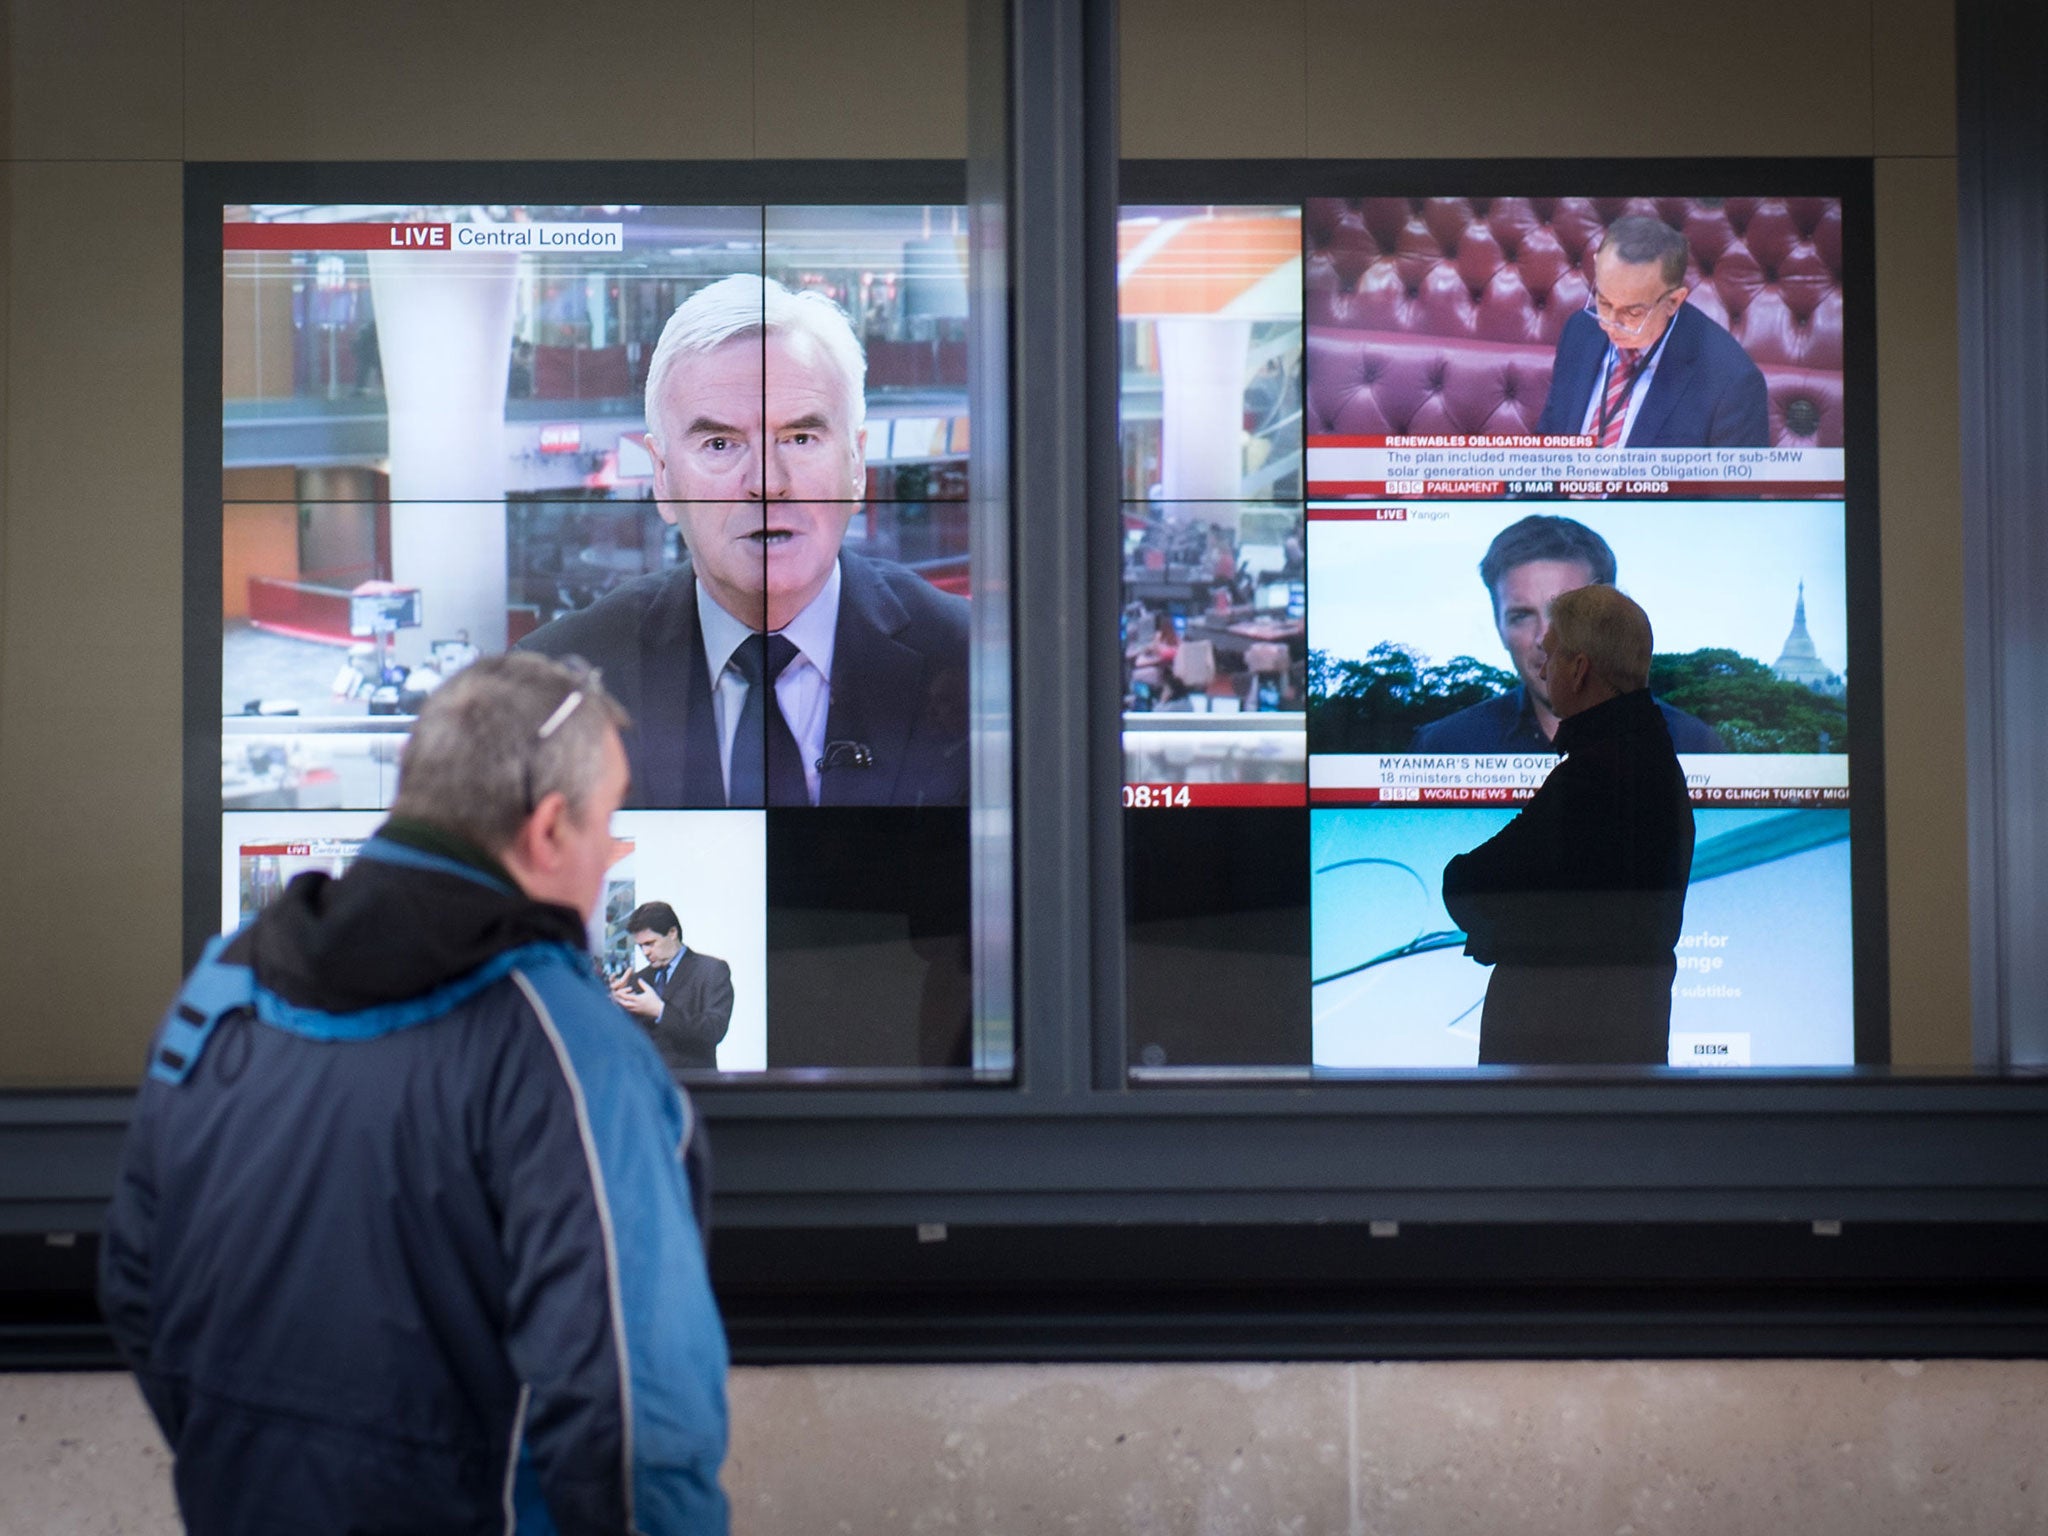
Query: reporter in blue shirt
[[1528, 564]]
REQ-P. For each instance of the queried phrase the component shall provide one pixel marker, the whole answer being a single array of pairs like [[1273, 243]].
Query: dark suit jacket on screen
[[696, 1009], [899, 686], [1577, 902], [1706, 392], [1508, 724]]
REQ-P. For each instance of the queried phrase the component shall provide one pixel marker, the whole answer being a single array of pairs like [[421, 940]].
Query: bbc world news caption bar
[[1736, 781], [1562, 468]]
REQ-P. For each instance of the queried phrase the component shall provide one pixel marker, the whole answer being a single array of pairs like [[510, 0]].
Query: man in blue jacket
[[1641, 368], [408, 1234]]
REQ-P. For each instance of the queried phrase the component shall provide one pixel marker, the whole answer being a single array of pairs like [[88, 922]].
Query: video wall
[[1367, 441], [719, 453], [1366, 438]]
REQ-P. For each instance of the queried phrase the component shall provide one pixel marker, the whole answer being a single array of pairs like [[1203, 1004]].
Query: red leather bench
[[1435, 315]]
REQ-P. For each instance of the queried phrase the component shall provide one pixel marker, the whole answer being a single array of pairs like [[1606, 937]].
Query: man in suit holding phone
[[683, 999]]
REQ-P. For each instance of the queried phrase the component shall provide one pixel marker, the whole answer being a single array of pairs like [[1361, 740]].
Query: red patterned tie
[[1621, 379]]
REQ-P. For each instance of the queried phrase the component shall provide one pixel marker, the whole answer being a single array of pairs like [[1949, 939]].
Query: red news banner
[[1190, 797], [336, 237], [422, 237], [1562, 468]]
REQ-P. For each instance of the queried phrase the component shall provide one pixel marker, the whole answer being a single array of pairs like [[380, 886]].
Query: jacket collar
[[423, 838], [1622, 715]]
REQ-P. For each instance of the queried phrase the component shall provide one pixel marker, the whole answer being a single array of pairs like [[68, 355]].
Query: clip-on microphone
[[846, 754]]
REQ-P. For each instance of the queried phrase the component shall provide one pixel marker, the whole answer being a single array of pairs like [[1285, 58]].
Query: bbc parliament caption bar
[[424, 238], [1561, 468]]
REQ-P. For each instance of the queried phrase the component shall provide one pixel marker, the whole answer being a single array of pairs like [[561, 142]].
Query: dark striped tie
[[1621, 380]]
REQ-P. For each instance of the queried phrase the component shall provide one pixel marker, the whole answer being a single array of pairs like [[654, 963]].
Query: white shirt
[[804, 690], [1636, 396]]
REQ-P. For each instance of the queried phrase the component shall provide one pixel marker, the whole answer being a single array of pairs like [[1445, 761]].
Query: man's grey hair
[[478, 762], [746, 305], [1608, 628], [1639, 238]]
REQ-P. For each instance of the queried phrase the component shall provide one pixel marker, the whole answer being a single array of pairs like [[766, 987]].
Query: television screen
[[641, 435], [1494, 400], [1424, 644], [1763, 963], [1215, 680]]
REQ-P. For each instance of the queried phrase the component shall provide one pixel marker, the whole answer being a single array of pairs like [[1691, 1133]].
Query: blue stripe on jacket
[[671, 1343]]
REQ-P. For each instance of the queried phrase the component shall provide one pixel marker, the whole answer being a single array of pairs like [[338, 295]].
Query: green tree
[[1376, 704], [1753, 708]]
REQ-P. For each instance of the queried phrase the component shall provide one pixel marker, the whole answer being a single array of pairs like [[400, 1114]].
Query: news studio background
[[435, 444], [1330, 418]]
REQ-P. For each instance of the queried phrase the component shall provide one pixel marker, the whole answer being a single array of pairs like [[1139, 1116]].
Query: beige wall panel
[[94, 79], [1542, 1448], [467, 79], [1920, 481], [1213, 81], [886, 79], [1486, 78], [1913, 69], [1018, 1449], [89, 621], [1699, 1448], [89, 525], [6, 321]]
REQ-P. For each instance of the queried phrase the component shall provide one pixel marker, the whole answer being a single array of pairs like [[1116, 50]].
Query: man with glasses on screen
[[1577, 903], [1528, 564], [773, 666], [408, 1234], [1641, 368]]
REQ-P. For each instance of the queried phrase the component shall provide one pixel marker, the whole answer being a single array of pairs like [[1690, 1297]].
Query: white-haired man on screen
[[772, 666]]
